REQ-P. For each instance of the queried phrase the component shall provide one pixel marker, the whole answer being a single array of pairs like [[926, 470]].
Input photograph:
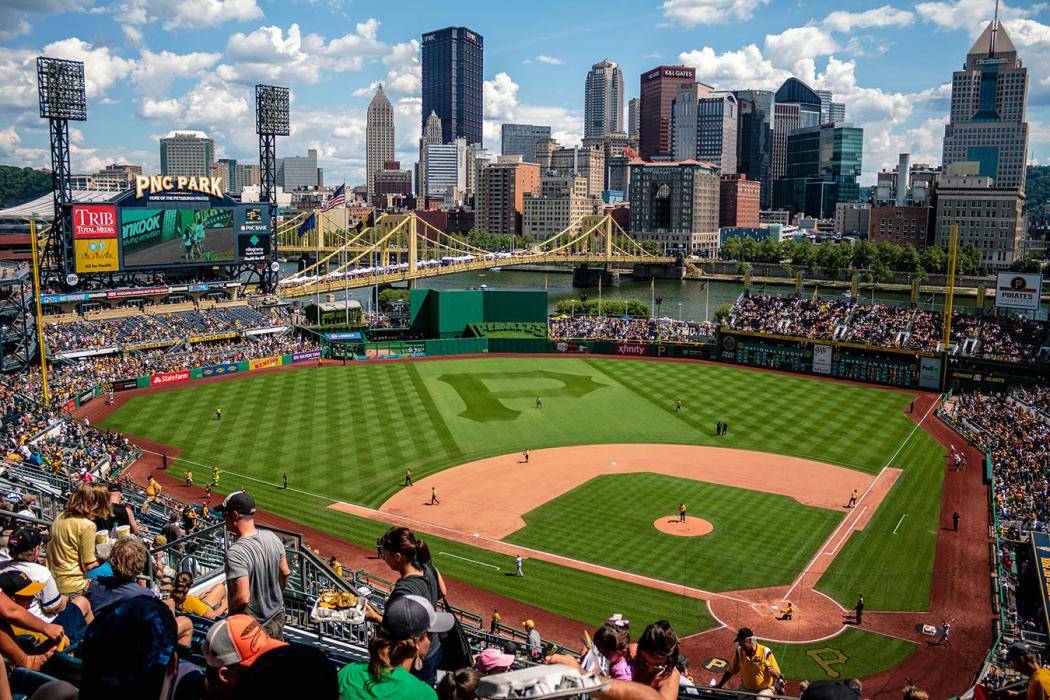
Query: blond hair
[[128, 557]]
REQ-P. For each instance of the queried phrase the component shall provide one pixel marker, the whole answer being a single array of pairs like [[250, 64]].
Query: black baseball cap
[[15, 582], [115, 487], [409, 616], [24, 539], [743, 634], [1018, 649], [238, 502]]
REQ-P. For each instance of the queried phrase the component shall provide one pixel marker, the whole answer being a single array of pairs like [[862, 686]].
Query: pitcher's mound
[[692, 527]]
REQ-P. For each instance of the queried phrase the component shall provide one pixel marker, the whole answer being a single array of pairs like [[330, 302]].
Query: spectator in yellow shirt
[[755, 663], [71, 551], [1024, 660]]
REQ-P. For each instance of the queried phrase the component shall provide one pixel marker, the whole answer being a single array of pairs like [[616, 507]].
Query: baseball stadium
[[809, 489]]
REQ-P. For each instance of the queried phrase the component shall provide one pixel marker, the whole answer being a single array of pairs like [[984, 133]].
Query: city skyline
[[153, 68]]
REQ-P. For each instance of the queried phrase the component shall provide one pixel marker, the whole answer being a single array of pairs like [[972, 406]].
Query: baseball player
[[946, 628], [854, 495], [517, 562], [189, 477], [678, 406], [681, 512], [434, 497], [218, 414]]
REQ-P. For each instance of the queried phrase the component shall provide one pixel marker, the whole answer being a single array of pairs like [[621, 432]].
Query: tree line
[[18, 185], [877, 260]]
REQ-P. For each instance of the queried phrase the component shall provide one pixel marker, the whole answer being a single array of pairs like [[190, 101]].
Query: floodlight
[[61, 88], [271, 110]]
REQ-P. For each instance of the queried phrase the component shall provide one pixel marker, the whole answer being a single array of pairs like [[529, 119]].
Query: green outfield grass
[[852, 654], [347, 433], [595, 521]]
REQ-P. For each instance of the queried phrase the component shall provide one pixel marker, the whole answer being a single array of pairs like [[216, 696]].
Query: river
[[686, 299]]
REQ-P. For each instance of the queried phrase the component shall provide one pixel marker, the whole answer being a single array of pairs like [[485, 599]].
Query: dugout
[[448, 313]]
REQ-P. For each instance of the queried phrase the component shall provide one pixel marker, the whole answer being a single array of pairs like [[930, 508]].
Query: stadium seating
[[632, 329]]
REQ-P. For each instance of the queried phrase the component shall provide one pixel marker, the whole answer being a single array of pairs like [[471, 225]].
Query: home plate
[[476, 534], [613, 463]]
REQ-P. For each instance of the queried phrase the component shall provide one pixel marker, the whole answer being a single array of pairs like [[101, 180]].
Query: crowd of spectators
[[1018, 438], [69, 378], [1007, 338], [637, 329], [797, 316], [83, 334]]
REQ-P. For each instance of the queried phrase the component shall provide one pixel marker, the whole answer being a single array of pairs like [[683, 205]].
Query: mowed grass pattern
[[609, 521], [347, 433]]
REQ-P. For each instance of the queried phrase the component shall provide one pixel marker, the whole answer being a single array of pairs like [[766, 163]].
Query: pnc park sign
[[154, 184]]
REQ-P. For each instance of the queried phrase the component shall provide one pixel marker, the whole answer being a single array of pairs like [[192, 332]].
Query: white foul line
[[849, 531], [899, 523], [472, 561]]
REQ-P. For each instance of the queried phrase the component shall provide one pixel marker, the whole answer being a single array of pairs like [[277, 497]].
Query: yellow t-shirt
[[195, 606], [752, 669], [1039, 685], [72, 542]]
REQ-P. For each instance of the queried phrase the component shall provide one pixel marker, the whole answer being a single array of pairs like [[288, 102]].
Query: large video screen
[[152, 237]]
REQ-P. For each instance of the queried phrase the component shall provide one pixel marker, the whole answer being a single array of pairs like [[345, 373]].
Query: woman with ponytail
[[211, 606], [397, 651], [410, 558]]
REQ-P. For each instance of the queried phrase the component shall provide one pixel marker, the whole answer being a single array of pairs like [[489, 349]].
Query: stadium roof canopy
[[43, 207]]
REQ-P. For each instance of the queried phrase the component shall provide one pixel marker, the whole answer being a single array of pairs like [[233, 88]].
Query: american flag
[[336, 200]]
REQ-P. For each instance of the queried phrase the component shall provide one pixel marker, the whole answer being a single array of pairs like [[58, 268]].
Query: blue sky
[[158, 65]]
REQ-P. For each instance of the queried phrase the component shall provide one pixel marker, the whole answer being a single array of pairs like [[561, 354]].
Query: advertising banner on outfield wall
[[563, 346], [1017, 290], [930, 372], [631, 349], [219, 370], [264, 362], [86, 396], [125, 384], [822, 359], [169, 377], [305, 356]]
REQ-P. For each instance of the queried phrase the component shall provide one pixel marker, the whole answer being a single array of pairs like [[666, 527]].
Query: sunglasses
[[655, 667]]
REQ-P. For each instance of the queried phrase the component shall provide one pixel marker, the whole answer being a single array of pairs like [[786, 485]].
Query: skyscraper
[[634, 108], [796, 106], [379, 138], [453, 82], [659, 87], [520, 140], [188, 153], [431, 136], [298, 172], [822, 167], [603, 100], [716, 128], [987, 121], [754, 145], [830, 111]]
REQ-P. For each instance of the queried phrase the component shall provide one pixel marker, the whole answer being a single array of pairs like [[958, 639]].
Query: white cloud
[[17, 80], [693, 12], [267, 54], [154, 72], [800, 43], [178, 14], [971, 15], [502, 105], [11, 26], [743, 68], [542, 58], [9, 139], [133, 34], [211, 105], [101, 67], [885, 16], [405, 74]]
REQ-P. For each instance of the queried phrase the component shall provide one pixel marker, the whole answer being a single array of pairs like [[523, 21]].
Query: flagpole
[[652, 295], [599, 294], [317, 285]]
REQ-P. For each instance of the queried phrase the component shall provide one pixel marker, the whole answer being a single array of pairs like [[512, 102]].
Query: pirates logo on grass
[[486, 395]]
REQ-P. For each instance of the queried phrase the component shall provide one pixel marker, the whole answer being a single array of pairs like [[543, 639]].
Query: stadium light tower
[[271, 121], [60, 84]]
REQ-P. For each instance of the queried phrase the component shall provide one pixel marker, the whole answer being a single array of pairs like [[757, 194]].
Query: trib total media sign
[[95, 238]]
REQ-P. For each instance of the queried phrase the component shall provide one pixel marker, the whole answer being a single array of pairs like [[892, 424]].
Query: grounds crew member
[[755, 663]]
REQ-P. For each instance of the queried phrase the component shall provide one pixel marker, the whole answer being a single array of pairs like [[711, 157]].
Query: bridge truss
[[403, 247]]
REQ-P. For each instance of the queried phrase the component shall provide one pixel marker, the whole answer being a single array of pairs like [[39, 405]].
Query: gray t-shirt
[[258, 557]]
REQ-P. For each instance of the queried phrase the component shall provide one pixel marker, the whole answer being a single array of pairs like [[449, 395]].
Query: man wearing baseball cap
[[402, 640], [231, 647], [1025, 661], [754, 662], [48, 604], [256, 567]]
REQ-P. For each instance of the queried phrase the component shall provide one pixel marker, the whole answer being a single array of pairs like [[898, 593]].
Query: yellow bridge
[[404, 247]]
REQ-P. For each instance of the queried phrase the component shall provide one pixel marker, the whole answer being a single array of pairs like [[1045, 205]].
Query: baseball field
[[593, 510]]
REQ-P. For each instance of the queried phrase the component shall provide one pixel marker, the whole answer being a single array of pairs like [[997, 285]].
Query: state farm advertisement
[[95, 221], [630, 348], [169, 377]]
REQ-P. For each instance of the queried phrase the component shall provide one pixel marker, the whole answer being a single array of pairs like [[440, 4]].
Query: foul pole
[[39, 310], [949, 297]]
